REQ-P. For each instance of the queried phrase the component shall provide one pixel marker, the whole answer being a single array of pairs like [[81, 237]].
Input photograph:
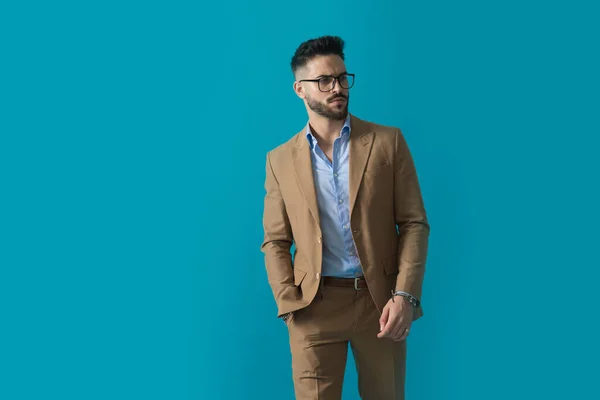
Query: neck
[[324, 129]]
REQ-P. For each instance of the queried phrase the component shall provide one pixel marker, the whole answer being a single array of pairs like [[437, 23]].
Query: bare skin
[[324, 129], [396, 319]]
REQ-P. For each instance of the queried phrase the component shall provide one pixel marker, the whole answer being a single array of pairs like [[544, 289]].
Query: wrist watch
[[411, 299]]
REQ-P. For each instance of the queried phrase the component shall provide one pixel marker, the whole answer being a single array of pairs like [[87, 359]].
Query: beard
[[325, 110]]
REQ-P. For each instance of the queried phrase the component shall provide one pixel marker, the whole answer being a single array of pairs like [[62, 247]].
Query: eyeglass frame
[[336, 80]]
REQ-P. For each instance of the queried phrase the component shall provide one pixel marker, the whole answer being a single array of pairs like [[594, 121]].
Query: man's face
[[333, 104]]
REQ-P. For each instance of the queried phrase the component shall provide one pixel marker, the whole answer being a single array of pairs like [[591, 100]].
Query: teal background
[[133, 138]]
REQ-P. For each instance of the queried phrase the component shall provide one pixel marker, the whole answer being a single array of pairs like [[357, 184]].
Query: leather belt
[[356, 283]]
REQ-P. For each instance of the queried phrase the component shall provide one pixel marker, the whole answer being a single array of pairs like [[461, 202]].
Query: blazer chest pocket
[[379, 166]]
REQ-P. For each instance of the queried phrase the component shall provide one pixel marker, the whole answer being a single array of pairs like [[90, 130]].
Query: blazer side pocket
[[298, 276]]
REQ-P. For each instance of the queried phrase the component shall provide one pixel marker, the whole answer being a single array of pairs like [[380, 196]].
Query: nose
[[337, 88]]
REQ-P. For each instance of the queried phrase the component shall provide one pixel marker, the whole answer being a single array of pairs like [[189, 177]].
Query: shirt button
[[336, 175], [341, 201]]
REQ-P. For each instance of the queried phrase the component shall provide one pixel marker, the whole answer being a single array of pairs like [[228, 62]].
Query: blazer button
[[318, 275], [319, 239]]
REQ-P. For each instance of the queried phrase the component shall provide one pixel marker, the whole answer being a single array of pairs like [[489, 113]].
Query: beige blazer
[[387, 217]]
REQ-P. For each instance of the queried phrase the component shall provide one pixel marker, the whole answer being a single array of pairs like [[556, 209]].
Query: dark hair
[[321, 46]]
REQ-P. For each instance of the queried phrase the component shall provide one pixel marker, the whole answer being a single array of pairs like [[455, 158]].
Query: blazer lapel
[[361, 141], [304, 173]]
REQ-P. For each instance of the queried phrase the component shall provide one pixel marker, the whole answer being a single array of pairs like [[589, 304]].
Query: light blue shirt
[[340, 258]]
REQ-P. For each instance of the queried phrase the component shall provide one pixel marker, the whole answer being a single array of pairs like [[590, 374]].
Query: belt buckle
[[356, 284]]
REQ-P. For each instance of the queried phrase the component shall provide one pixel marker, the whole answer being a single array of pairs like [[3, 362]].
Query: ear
[[299, 89]]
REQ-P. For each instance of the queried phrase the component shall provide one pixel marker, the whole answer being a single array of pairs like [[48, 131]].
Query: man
[[344, 191]]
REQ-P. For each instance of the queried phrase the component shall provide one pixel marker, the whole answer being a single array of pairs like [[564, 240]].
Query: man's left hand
[[396, 319]]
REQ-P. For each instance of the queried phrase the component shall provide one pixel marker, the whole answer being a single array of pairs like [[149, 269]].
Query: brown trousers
[[319, 338]]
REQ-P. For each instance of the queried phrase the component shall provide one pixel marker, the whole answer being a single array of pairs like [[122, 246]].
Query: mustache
[[340, 96]]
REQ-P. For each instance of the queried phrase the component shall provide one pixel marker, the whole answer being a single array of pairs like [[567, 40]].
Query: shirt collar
[[344, 132]]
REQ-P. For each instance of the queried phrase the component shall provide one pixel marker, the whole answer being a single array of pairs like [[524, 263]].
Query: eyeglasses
[[327, 83]]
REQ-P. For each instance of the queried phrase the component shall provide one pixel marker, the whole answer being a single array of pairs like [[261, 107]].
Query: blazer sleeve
[[411, 221], [277, 242]]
